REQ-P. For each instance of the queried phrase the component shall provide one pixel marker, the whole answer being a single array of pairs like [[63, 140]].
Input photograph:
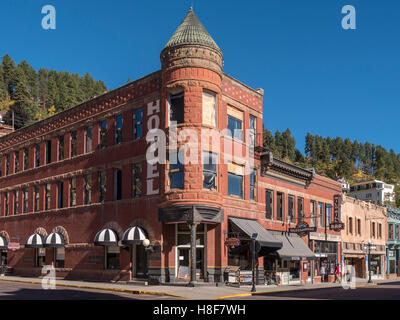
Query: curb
[[132, 291], [287, 290]]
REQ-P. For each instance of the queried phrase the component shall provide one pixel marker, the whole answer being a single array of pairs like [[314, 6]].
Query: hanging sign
[[302, 229], [232, 242], [336, 225]]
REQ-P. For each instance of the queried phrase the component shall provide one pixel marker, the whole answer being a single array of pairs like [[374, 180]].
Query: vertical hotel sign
[[153, 123], [336, 225]]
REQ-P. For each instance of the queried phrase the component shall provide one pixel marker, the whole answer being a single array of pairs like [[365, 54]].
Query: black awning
[[293, 248], [266, 240]]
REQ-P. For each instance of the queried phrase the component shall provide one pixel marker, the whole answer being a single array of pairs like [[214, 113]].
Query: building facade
[[375, 191], [90, 192], [364, 222], [393, 242], [294, 196]]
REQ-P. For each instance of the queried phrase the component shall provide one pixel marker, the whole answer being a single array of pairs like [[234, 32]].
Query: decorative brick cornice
[[108, 101], [268, 162]]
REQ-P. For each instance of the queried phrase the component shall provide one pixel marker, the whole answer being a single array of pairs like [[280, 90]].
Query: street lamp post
[[369, 247], [253, 260], [369, 262]]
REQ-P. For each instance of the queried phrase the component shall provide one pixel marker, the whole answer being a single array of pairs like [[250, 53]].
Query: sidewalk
[[183, 292]]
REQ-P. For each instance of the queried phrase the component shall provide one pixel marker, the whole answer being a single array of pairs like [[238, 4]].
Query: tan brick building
[[364, 222]]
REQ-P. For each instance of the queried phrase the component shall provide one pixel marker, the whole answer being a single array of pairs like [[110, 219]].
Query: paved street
[[387, 291], [16, 288], [27, 291]]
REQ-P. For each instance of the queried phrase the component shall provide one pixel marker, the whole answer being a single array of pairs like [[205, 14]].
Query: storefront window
[[59, 259], [40, 257], [327, 257], [240, 258], [376, 267], [294, 270], [183, 237]]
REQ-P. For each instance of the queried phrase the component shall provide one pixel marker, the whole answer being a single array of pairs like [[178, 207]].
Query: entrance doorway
[[184, 264], [139, 261], [3, 258]]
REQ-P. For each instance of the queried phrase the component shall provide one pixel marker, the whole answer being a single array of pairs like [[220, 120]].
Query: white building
[[375, 191], [345, 185]]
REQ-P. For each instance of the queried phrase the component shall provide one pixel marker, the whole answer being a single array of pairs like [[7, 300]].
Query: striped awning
[[54, 240], [34, 241], [106, 237], [3, 243], [134, 235]]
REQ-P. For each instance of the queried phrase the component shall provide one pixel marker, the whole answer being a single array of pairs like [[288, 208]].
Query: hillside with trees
[[35, 95], [337, 157]]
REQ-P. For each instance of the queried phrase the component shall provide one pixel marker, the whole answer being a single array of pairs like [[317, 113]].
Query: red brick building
[[77, 189]]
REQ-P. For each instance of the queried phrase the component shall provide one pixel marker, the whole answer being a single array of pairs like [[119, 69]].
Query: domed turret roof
[[191, 31]]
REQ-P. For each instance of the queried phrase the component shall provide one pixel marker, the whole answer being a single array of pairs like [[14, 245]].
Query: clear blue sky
[[317, 77]]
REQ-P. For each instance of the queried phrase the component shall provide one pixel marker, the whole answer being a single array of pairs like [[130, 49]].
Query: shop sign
[[13, 246], [232, 242], [302, 229], [336, 225]]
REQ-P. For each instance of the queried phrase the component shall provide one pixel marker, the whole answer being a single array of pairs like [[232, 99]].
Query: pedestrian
[[322, 271], [337, 273]]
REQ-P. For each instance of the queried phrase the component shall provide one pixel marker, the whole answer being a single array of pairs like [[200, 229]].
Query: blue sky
[[317, 77]]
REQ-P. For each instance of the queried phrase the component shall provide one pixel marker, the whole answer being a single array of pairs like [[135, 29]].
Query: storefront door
[[3, 258], [184, 263], [141, 261]]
